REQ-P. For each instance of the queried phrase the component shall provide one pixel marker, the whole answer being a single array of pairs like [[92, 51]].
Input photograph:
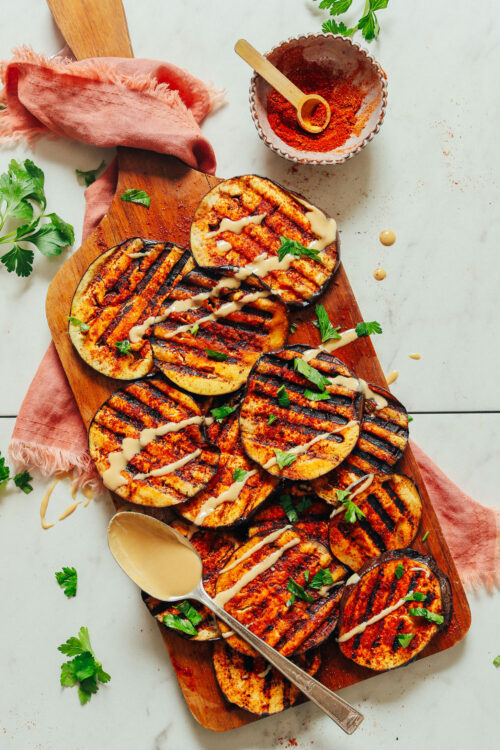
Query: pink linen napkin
[[49, 434]]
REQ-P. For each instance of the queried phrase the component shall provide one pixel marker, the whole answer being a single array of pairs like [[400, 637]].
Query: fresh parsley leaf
[[68, 677], [22, 481], [219, 413], [307, 575], [332, 27], [136, 196], [192, 614], [418, 596], [405, 639], [292, 247], [239, 475], [18, 259], [218, 356], [303, 503], [298, 591], [87, 689], [424, 538], [84, 327], [75, 646], [368, 328], [293, 328], [283, 397], [352, 511], [84, 669], [410, 418], [336, 7], [84, 665], [284, 459], [49, 237], [368, 24], [123, 347], [378, 4], [326, 329], [271, 418], [400, 570], [315, 396], [4, 471], [426, 614], [178, 623], [90, 175], [67, 579], [311, 373], [286, 503], [322, 578], [194, 329], [290, 601], [496, 661]]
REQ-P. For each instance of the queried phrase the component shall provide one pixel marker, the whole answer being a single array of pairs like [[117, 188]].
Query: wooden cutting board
[[175, 191]]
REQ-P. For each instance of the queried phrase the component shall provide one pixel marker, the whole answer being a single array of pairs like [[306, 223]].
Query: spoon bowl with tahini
[[166, 566], [313, 111]]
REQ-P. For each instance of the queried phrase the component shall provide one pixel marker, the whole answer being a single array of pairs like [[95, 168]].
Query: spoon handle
[[272, 75], [342, 713]]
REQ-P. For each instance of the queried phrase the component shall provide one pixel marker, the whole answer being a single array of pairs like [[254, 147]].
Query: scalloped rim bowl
[[340, 55]]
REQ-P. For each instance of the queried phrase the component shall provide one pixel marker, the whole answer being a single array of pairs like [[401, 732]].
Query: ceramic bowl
[[341, 57]]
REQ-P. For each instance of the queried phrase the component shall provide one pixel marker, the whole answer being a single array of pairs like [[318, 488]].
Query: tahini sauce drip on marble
[[361, 485], [379, 274], [45, 503], [236, 226], [392, 376], [153, 556], [415, 355], [387, 237], [363, 625]]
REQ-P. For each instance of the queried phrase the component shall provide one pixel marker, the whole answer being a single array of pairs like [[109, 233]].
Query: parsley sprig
[[284, 459], [367, 328], [352, 511], [368, 24], [326, 328], [219, 413], [22, 480], [21, 191], [84, 669], [186, 624], [292, 510], [293, 247], [67, 578], [90, 175]]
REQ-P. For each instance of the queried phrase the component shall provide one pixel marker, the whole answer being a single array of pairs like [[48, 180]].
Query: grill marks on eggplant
[[252, 684], [240, 337], [381, 443], [302, 420], [305, 279], [392, 509], [255, 490], [145, 404], [214, 549], [118, 292], [261, 603], [378, 646]]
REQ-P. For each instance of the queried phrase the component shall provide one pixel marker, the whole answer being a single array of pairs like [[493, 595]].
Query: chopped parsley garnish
[[303, 503], [219, 413], [67, 579], [84, 327], [315, 396], [90, 175], [496, 661], [186, 624], [194, 329], [218, 356], [426, 614], [292, 510], [136, 196], [192, 614], [352, 512], [410, 418], [22, 480], [416, 597], [367, 329], [22, 188], [239, 475], [290, 601], [311, 373], [4, 471], [322, 578], [284, 459], [123, 347], [271, 418], [326, 329], [405, 639], [84, 669], [298, 591], [425, 536], [400, 569], [283, 397], [293, 328], [292, 247]]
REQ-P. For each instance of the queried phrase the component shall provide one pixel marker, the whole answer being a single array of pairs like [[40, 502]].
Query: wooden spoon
[[305, 104]]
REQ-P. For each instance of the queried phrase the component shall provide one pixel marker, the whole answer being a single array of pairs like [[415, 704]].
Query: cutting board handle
[[93, 28]]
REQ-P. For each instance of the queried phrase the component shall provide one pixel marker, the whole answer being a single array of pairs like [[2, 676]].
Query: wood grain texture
[[93, 28], [175, 191]]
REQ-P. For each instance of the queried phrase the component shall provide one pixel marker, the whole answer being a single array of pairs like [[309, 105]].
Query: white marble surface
[[431, 175]]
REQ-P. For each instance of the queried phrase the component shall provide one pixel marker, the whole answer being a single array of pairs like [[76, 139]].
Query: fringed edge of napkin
[[473, 579], [49, 461], [93, 69]]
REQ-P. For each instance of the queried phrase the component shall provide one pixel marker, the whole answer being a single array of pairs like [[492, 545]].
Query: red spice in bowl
[[341, 72]]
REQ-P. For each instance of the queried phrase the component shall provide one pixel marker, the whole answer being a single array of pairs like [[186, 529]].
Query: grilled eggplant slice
[[214, 549], [245, 498], [261, 604], [383, 583], [121, 289], [251, 683], [382, 441], [276, 213], [392, 509], [184, 460], [215, 356], [276, 388]]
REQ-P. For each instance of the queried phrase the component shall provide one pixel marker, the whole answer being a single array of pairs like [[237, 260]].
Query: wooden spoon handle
[[272, 75], [93, 28]]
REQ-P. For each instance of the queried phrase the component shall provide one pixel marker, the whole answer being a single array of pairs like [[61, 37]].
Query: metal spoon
[[163, 563], [305, 104]]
